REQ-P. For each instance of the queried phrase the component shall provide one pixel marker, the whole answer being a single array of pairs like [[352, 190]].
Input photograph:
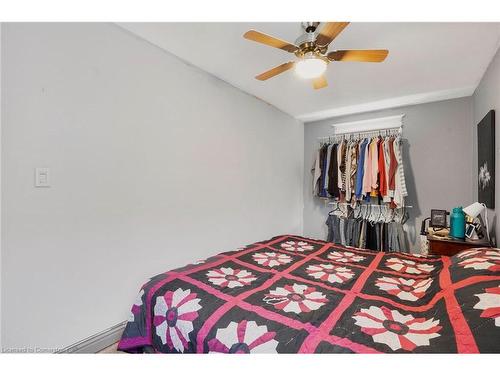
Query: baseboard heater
[[97, 342]]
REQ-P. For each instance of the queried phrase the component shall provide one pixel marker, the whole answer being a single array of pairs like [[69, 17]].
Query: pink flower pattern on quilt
[[489, 302], [330, 273], [226, 277], [404, 289], [480, 259], [295, 298], [174, 314], [345, 257], [409, 266], [271, 259], [396, 330], [299, 246], [243, 338]]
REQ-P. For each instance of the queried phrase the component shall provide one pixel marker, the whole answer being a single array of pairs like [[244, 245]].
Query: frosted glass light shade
[[309, 68]]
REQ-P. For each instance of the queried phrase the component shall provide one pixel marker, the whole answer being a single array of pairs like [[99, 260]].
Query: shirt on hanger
[[367, 169], [387, 160], [381, 169], [333, 188], [393, 166], [361, 168], [316, 171], [353, 170], [374, 170], [348, 171], [342, 166], [327, 167], [400, 191], [339, 163], [322, 191]]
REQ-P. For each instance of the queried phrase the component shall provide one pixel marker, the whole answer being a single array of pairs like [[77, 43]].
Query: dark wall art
[[486, 159]]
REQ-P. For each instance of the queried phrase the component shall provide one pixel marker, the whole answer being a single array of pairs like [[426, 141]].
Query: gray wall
[[487, 97], [154, 164], [437, 156]]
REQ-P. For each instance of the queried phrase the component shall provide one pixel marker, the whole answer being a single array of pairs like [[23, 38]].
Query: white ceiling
[[426, 62]]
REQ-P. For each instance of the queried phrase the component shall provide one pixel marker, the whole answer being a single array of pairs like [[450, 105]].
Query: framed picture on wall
[[486, 160]]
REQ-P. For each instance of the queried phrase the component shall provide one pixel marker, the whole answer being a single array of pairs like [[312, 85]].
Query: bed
[[292, 294]]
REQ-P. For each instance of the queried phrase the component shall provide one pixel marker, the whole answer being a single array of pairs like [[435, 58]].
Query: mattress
[[292, 294]]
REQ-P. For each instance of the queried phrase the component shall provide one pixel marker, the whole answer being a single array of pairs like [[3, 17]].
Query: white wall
[[153, 164], [487, 97], [436, 153]]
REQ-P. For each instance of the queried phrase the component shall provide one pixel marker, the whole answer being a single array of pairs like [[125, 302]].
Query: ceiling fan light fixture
[[311, 50], [310, 67]]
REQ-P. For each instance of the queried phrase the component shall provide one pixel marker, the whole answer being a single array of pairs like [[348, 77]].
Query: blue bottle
[[457, 223]]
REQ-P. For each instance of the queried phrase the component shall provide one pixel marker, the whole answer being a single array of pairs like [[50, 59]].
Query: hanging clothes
[[327, 167], [347, 172], [374, 169], [333, 186], [392, 167], [379, 230], [387, 163], [361, 169], [353, 162], [316, 171], [381, 168], [333, 224], [400, 191], [340, 156], [323, 161], [351, 168], [343, 166], [367, 170]]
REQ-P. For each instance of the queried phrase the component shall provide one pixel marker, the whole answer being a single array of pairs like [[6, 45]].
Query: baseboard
[[97, 342]]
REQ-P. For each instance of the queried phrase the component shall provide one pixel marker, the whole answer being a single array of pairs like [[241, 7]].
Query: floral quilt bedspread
[[298, 295]]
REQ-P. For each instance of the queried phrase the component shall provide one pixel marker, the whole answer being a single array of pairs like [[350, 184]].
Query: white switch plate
[[42, 177]]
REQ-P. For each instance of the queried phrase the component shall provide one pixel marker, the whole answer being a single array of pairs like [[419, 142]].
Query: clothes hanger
[[382, 213], [405, 215], [344, 214], [379, 214], [386, 214], [392, 215], [350, 212], [369, 213], [337, 208], [360, 211]]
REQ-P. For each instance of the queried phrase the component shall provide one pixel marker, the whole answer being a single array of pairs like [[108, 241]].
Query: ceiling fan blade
[[320, 82], [275, 71], [368, 55], [329, 32], [259, 37]]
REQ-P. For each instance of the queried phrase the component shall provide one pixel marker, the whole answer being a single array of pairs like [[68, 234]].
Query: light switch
[[42, 177]]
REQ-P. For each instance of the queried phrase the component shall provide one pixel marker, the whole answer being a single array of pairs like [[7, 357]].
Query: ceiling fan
[[311, 50]]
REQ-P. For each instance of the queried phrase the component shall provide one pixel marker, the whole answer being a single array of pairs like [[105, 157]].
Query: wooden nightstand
[[450, 246]]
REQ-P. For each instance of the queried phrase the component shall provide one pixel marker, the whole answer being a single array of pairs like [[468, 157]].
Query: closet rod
[[366, 133], [367, 204]]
